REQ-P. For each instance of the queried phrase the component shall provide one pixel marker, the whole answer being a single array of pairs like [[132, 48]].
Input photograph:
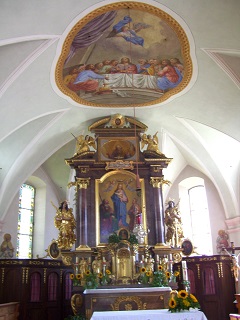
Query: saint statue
[[173, 223], [65, 222]]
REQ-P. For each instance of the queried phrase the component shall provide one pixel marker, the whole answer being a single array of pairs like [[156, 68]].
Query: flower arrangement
[[182, 300], [114, 238], [90, 280], [105, 277], [160, 277], [145, 276], [76, 279]]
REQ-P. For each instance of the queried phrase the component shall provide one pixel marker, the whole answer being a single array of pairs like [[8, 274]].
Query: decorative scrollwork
[[129, 303]]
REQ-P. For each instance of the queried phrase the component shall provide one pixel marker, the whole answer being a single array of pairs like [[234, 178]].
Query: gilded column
[[82, 214], [157, 183]]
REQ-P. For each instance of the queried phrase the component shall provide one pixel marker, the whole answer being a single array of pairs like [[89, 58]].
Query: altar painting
[[118, 204], [129, 53]]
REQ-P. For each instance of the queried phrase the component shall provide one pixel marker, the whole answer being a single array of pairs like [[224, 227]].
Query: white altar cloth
[[161, 314], [128, 290]]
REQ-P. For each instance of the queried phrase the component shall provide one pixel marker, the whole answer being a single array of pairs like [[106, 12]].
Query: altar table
[[127, 298], [161, 314]]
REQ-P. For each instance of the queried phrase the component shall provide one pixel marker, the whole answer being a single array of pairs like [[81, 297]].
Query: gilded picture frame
[[113, 149], [53, 251], [108, 219]]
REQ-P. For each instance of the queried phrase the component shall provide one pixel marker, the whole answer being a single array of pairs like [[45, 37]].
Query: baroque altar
[[119, 220]]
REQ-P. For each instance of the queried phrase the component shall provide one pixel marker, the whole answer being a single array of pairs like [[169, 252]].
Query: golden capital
[[157, 182], [82, 183]]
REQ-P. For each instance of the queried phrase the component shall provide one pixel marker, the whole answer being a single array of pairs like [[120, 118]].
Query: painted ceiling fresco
[[124, 54]]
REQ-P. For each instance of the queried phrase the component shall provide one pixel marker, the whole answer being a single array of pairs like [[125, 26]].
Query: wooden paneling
[[16, 286]]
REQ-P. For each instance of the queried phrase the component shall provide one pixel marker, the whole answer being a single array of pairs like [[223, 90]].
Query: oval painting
[[125, 53]]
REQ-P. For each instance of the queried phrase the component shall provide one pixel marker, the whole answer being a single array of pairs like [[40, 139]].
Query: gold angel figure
[[151, 142], [84, 144]]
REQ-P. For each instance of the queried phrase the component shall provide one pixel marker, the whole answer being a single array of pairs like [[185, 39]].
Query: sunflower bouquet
[[76, 279], [182, 300], [145, 276], [105, 278], [90, 280], [160, 277]]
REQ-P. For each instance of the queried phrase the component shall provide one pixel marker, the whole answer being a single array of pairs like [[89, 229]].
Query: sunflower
[[78, 276], [160, 268], [176, 274], [108, 272], [148, 273], [172, 303], [168, 274], [71, 276], [194, 299], [143, 270], [100, 275], [87, 273], [186, 303], [182, 294]]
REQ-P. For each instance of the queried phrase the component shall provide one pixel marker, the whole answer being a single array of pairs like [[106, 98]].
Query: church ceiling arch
[[124, 54]]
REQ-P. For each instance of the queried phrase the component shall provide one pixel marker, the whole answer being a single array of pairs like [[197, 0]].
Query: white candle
[[157, 257], [77, 259], [184, 270], [104, 260], [170, 257]]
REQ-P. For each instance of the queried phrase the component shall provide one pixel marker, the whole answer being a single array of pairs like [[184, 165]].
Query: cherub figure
[[151, 142], [84, 144]]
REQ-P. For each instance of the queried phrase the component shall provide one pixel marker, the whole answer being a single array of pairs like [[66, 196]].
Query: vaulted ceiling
[[198, 126]]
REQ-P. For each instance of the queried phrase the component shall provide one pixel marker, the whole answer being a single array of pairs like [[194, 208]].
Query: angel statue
[[84, 144], [151, 142]]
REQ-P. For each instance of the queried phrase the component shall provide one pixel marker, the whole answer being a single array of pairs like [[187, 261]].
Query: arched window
[[201, 232], [25, 222], [195, 214]]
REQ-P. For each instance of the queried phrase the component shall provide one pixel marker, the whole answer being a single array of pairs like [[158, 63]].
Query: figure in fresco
[[222, 241], [84, 144], [122, 29], [133, 213], [120, 201], [169, 77], [151, 142], [6, 249], [87, 80], [175, 62], [173, 223], [65, 222], [125, 66]]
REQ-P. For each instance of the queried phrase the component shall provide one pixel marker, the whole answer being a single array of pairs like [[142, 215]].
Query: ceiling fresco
[[130, 53]]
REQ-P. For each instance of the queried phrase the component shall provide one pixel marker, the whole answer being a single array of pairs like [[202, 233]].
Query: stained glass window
[[25, 222]]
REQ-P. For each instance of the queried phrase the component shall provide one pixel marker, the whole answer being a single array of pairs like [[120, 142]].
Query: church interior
[[125, 139]]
